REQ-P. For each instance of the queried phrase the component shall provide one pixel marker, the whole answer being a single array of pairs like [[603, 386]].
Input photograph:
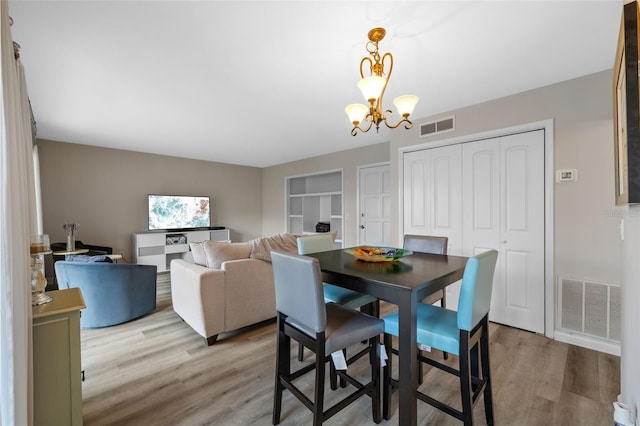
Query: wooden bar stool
[[324, 328]]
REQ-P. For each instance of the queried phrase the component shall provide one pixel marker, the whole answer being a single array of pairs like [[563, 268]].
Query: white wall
[[629, 369]]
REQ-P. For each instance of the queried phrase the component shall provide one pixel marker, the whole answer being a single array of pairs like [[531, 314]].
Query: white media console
[[160, 248]]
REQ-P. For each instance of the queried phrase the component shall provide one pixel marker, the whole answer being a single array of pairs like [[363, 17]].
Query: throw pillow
[[197, 250], [218, 252], [85, 258]]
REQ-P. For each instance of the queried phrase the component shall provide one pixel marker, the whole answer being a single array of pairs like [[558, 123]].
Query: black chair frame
[[285, 377], [474, 374]]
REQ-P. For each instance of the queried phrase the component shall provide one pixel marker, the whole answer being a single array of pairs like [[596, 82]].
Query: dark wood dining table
[[404, 283]]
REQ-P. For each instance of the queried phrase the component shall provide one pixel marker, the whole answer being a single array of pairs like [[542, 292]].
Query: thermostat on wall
[[567, 175]]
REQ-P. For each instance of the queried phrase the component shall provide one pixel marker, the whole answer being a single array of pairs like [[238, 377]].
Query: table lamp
[[38, 248]]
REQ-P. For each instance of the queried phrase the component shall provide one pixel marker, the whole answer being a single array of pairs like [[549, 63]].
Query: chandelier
[[373, 88]]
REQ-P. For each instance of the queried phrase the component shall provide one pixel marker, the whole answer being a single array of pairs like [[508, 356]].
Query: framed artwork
[[626, 109]]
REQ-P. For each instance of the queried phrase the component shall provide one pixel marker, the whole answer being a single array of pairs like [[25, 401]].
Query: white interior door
[[503, 209], [375, 206]]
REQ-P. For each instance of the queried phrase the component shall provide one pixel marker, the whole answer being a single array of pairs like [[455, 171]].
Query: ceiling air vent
[[444, 125]]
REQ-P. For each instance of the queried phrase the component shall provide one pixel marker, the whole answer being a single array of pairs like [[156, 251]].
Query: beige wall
[[273, 208], [587, 240], [105, 191]]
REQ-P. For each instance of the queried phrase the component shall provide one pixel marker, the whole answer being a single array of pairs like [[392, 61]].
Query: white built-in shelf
[[314, 198]]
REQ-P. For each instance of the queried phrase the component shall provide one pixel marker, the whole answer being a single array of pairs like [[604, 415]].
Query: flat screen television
[[178, 212]]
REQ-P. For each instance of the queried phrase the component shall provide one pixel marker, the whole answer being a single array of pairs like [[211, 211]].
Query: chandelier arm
[[355, 129], [386, 80], [362, 63], [406, 120]]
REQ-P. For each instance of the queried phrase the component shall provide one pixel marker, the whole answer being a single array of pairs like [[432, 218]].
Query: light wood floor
[[157, 370]]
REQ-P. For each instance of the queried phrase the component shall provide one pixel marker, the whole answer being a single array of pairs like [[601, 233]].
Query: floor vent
[[439, 126], [589, 308]]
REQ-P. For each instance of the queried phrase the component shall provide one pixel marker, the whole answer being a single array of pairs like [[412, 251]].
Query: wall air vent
[[439, 126]]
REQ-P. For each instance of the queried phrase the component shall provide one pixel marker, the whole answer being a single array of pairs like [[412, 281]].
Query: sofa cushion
[[197, 250], [218, 252]]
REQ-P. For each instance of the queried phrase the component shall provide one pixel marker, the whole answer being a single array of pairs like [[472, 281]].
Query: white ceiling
[[260, 83]]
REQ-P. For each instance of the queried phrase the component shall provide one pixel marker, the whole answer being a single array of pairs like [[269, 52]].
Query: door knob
[[361, 226]]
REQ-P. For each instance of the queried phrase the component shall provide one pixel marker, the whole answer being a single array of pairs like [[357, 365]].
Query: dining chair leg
[[420, 368], [386, 379], [318, 404], [283, 369], [443, 304], [466, 391], [333, 376], [343, 382], [486, 373], [374, 359]]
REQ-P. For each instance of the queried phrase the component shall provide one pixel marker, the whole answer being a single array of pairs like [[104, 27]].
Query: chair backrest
[[113, 292], [299, 293], [315, 243], [426, 244], [475, 293]]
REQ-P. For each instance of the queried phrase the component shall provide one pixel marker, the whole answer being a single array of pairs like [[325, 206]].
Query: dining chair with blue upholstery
[[333, 293], [434, 245], [464, 333], [325, 328]]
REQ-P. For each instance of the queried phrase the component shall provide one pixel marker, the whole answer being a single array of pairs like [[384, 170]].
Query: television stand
[[160, 248]]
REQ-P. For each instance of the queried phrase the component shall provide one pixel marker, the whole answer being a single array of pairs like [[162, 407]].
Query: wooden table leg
[[408, 362]]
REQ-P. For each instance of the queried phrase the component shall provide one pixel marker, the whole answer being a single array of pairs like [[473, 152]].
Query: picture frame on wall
[[626, 109]]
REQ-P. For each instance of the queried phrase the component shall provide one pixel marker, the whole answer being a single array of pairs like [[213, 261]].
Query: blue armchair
[[113, 292]]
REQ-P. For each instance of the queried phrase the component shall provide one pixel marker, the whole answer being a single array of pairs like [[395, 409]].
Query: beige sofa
[[227, 286], [212, 301]]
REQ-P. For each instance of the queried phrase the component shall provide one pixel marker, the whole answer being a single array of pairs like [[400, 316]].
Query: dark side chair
[[464, 333], [323, 328], [429, 244]]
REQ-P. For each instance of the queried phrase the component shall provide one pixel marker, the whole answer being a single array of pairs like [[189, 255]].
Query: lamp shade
[[371, 87], [356, 112], [405, 104]]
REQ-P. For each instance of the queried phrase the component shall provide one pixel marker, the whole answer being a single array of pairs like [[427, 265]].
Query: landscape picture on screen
[[169, 212]]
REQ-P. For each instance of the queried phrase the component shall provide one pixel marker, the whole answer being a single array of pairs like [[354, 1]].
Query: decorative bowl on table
[[378, 254]]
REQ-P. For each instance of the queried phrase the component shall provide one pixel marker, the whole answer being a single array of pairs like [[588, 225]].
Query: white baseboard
[[588, 342]]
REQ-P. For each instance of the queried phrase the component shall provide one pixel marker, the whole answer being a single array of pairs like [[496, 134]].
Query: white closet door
[[481, 199], [518, 299], [445, 185], [416, 193], [432, 199], [503, 209], [432, 187]]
